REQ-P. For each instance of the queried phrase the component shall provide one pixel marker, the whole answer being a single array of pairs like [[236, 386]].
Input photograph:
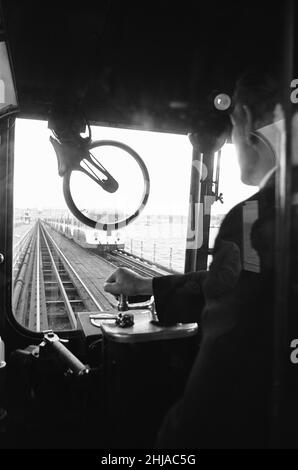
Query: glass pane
[[98, 204], [60, 265], [230, 187], [7, 91], [159, 233]]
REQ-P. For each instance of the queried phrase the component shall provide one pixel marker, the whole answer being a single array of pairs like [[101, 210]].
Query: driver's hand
[[124, 281]]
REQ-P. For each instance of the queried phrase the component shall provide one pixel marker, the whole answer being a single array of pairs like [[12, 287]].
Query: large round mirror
[[102, 206]]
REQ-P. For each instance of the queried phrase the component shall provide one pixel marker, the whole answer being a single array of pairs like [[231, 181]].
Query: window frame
[[15, 335]]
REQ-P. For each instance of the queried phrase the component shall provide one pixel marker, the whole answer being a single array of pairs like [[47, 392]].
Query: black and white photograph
[[148, 229]]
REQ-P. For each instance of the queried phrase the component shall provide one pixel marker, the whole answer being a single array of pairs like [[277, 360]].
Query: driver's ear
[[247, 121], [242, 119]]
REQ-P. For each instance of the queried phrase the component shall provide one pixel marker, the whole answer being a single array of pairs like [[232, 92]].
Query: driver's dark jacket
[[227, 401]]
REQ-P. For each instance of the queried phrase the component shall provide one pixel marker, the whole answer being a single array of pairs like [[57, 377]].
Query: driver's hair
[[260, 92]]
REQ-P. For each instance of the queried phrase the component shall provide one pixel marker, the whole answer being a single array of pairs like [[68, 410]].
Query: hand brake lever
[[125, 319], [50, 339]]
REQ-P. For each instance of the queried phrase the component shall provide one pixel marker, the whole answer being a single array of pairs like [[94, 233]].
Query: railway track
[[19, 250], [119, 258], [140, 266], [48, 292]]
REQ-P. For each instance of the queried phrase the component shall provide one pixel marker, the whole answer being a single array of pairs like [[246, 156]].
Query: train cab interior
[[141, 93]]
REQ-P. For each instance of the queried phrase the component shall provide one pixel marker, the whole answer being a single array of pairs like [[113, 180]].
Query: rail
[[48, 291], [69, 310], [139, 265], [19, 251]]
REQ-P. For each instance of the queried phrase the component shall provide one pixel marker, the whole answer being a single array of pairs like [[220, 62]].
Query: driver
[[226, 402]]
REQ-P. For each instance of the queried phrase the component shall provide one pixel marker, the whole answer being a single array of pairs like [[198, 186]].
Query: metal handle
[[123, 303], [65, 355], [123, 306]]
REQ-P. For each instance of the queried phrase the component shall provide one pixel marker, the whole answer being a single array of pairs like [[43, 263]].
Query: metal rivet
[[1, 258]]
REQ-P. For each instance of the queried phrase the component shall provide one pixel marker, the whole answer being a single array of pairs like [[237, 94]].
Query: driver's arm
[[178, 298]]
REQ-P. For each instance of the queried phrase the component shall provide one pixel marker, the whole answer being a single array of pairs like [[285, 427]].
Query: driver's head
[[256, 104]]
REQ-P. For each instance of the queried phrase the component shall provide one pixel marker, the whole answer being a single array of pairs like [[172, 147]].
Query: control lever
[[123, 305], [125, 319], [122, 319], [50, 339]]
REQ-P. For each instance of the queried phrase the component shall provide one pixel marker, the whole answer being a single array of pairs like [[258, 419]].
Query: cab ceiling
[[145, 64]]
